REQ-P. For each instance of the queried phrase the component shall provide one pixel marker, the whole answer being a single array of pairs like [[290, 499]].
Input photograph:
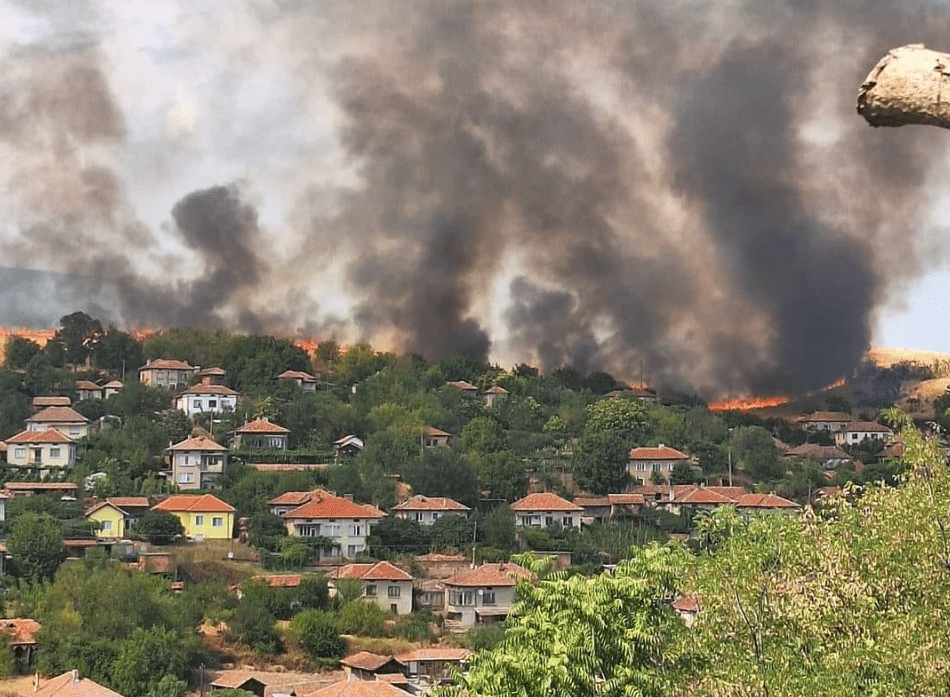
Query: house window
[[19, 453], [370, 590], [106, 525], [74, 431], [642, 467], [54, 453], [199, 520], [566, 521], [419, 516], [354, 531], [353, 550], [212, 403], [394, 591], [548, 521], [488, 597], [854, 436], [217, 522], [331, 530], [186, 477], [196, 403]]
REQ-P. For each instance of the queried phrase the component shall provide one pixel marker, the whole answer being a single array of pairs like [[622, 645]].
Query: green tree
[[316, 633], [117, 351], [682, 473], [18, 352], [145, 659], [36, 545], [79, 333], [362, 617], [451, 532], [442, 472], [392, 536], [313, 592], [756, 451], [600, 462], [501, 475], [483, 435], [158, 527], [252, 624], [498, 528]]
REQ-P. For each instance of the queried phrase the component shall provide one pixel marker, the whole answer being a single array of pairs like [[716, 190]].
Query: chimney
[[672, 491], [348, 497], [75, 675]]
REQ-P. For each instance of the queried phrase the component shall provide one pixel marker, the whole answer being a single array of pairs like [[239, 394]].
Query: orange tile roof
[[129, 501], [69, 684], [765, 501], [866, 427], [222, 390], [590, 502], [662, 452], [281, 581], [625, 499], [51, 401], [87, 385], [261, 426], [686, 603], [64, 415], [495, 389], [114, 384], [504, 574], [433, 431], [195, 503], [364, 660], [296, 375], [544, 502], [292, 498], [462, 385], [426, 503], [234, 680], [50, 435], [20, 631], [357, 688], [823, 416], [327, 505], [434, 654], [702, 495], [200, 443], [380, 571], [166, 364]]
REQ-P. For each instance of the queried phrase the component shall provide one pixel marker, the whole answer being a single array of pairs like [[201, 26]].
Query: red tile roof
[[495, 389], [281, 581], [364, 660], [167, 364], [462, 385], [327, 505], [866, 427], [662, 452], [114, 384], [51, 401], [504, 574], [686, 603], [87, 385], [433, 431], [701, 495], [129, 501], [195, 503], [261, 426], [434, 654], [296, 375], [57, 415], [221, 390], [213, 370], [380, 571], [50, 435], [765, 501], [20, 631], [824, 416], [427, 503], [197, 443], [544, 502], [69, 684], [357, 688], [292, 498]]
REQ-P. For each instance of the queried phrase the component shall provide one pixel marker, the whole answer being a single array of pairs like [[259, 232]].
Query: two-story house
[[197, 463], [212, 376], [643, 462], [47, 451], [163, 372], [116, 515], [86, 389], [290, 500], [66, 420], [201, 399], [305, 381], [544, 509], [386, 585], [204, 517], [857, 432], [831, 421], [425, 510], [483, 595], [337, 518], [260, 433]]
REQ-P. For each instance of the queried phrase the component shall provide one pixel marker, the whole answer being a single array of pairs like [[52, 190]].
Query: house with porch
[[383, 583], [202, 399], [167, 373], [425, 510], [337, 518], [483, 595], [197, 463], [47, 451], [643, 462], [260, 433], [66, 420], [347, 446], [541, 510], [116, 515], [204, 517], [305, 381]]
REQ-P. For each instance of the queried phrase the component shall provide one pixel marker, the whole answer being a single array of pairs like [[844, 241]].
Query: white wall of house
[[193, 404], [44, 455], [165, 377], [73, 430], [856, 437], [542, 519], [461, 603], [642, 470], [391, 596], [426, 517], [349, 533], [197, 469]]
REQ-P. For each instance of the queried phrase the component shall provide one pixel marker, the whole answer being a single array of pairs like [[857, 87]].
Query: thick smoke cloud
[[682, 186]]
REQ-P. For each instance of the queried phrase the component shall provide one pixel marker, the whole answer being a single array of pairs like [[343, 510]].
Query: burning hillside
[[749, 403]]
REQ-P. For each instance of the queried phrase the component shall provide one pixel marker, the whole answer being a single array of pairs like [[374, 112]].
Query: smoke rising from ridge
[[678, 184]]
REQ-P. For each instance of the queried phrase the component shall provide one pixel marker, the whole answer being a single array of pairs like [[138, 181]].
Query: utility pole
[[730, 465], [474, 534]]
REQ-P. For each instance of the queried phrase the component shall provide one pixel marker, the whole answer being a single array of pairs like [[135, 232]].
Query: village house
[[542, 510], [828, 456], [433, 437], [47, 450], [857, 432], [260, 433], [425, 510], [357, 688], [197, 463], [305, 381], [434, 664], [86, 389], [163, 372], [464, 387], [347, 446], [204, 517], [386, 585], [367, 666], [65, 490], [211, 376], [337, 518], [66, 420], [201, 399], [830, 421], [643, 462], [44, 401], [69, 684], [290, 500], [483, 595], [675, 498], [242, 680], [494, 394], [767, 501], [112, 387], [21, 633], [116, 515], [640, 391], [602, 509]]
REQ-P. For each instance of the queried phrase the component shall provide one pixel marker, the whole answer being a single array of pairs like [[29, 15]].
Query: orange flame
[[748, 403]]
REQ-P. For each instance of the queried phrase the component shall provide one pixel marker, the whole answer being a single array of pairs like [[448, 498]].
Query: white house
[[643, 462], [86, 389], [859, 431], [200, 399], [66, 420], [825, 421], [463, 386], [425, 510], [542, 510], [260, 433], [494, 394], [163, 372], [46, 450], [197, 463], [483, 595], [112, 387], [433, 437], [337, 518], [305, 381], [388, 586]]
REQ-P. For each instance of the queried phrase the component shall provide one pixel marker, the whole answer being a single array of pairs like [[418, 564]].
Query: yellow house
[[116, 515], [204, 517]]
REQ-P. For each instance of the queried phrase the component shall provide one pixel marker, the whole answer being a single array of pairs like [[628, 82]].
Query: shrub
[[316, 633], [362, 617]]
